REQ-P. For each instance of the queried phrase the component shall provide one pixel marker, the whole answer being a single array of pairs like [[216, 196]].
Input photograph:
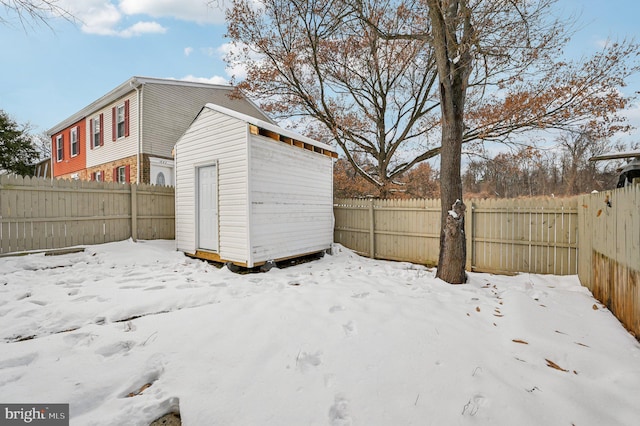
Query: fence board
[[38, 214], [610, 251], [525, 235]]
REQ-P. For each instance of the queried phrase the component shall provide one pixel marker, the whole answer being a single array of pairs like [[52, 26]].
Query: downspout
[[138, 99]]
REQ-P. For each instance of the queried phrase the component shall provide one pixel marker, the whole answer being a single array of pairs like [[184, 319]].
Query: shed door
[[207, 208]]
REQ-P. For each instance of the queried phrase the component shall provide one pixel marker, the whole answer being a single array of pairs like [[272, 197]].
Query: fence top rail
[[562, 205], [15, 182]]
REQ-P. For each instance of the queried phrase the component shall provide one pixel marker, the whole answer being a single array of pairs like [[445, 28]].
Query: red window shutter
[[91, 135], [93, 176], [101, 129], [127, 169], [79, 139], [115, 174], [114, 135], [126, 117]]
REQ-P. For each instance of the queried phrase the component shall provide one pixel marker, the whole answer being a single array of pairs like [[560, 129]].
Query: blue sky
[[48, 74]]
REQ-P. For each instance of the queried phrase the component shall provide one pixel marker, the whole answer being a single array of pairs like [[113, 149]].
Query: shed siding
[[214, 138], [169, 109], [120, 148], [291, 200]]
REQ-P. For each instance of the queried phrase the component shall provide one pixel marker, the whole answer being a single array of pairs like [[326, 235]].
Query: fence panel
[[151, 200], [524, 235], [610, 251], [503, 236], [38, 214]]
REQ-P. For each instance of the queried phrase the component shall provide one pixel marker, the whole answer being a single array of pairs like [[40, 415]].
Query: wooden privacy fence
[[609, 262], [503, 236], [38, 214]]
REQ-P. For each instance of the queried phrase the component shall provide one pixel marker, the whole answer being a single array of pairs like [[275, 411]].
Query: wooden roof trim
[[255, 130]]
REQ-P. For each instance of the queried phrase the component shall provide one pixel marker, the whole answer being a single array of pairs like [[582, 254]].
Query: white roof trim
[[269, 126]]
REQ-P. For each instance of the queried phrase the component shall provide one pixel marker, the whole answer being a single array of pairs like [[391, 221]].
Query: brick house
[[127, 135]]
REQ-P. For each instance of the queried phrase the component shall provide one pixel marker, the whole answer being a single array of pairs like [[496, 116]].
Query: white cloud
[[186, 10], [210, 80], [105, 17], [99, 20], [140, 28], [188, 51]]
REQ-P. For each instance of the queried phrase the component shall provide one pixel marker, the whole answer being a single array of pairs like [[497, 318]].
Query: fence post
[[372, 231], [469, 236], [134, 212]]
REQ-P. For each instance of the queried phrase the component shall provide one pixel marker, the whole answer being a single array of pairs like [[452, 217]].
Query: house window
[[160, 179], [59, 148], [97, 176], [120, 121], [121, 174], [96, 131], [75, 143]]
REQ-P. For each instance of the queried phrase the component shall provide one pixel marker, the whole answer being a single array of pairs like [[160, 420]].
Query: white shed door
[[207, 208]]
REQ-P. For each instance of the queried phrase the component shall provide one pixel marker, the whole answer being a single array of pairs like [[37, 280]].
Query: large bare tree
[[374, 97], [500, 73], [497, 67]]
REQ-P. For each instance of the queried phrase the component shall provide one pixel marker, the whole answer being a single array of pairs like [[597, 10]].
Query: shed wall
[[214, 138], [291, 200]]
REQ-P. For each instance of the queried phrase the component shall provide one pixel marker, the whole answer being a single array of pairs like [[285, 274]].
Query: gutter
[[139, 126]]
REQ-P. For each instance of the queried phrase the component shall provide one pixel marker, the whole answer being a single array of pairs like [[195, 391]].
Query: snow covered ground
[[344, 340]]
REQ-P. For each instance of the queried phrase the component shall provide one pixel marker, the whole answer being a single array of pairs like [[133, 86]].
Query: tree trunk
[[454, 62], [453, 251]]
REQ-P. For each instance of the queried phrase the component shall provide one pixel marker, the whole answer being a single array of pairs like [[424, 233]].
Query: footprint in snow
[[157, 287], [360, 295], [473, 405], [350, 328], [116, 348], [306, 361], [21, 361], [339, 412]]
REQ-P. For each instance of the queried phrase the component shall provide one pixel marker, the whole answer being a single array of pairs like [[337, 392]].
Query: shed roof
[[274, 129]]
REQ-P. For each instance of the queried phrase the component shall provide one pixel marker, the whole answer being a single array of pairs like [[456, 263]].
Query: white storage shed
[[249, 192]]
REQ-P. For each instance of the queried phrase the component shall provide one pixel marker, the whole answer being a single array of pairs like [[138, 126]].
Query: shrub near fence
[[38, 214], [503, 236]]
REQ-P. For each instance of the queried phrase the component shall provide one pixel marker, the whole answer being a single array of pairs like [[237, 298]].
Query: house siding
[[214, 138], [168, 110], [291, 200], [160, 111], [70, 165], [121, 148]]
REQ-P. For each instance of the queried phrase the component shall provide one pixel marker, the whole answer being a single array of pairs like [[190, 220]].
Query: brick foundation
[[107, 169]]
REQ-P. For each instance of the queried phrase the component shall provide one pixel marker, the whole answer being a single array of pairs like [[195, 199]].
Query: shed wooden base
[[215, 257]]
